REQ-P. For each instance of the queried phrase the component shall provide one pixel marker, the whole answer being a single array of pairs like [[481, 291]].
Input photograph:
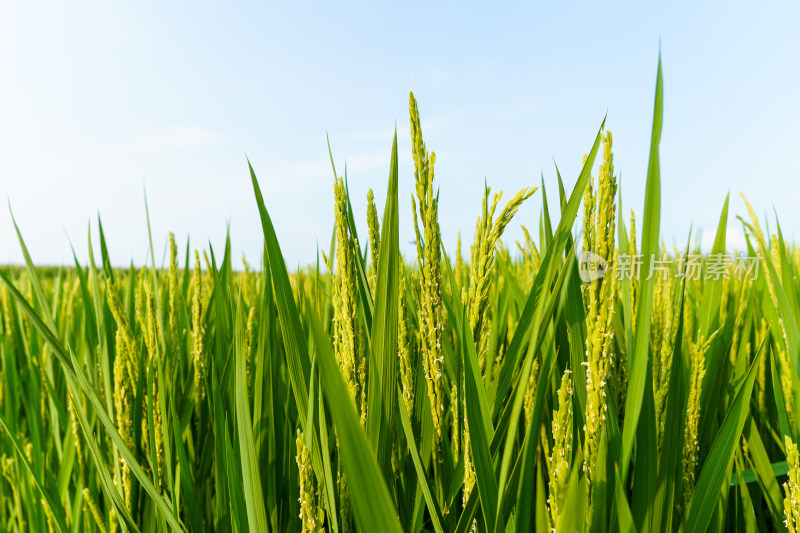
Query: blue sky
[[101, 101]]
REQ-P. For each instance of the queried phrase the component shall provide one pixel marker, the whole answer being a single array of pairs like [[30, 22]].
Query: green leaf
[[708, 317], [652, 210], [624, 517], [294, 340], [253, 496], [381, 406]]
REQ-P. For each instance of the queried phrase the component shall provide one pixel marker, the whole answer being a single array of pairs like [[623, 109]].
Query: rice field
[[587, 378]]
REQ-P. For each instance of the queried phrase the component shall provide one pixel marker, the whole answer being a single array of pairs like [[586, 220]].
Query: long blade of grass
[[253, 496], [652, 211], [381, 407]]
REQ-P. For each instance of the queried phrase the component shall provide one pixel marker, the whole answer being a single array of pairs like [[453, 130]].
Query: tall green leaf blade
[[381, 406], [623, 512], [253, 496], [293, 338], [650, 245]]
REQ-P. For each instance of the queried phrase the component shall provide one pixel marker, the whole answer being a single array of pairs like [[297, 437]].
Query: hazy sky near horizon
[[101, 101]]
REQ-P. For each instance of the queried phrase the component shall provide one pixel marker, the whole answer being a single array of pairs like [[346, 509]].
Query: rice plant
[[589, 380]]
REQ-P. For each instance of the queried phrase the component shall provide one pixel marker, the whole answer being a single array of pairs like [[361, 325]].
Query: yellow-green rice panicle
[[95, 512], [469, 467], [599, 295], [454, 420], [558, 465], [51, 522], [531, 258], [249, 291], [345, 302], [588, 213], [405, 347], [374, 239], [487, 238], [780, 345], [662, 340], [606, 208], [123, 407], [147, 318], [482, 254], [775, 255], [125, 371], [431, 320], [145, 312], [761, 332], [78, 436], [785, 377], [174, 287], [311, 517], [251, 346], [530, 392], [691, 444], [759, 234], [6, 308], [120, 317], [791, 488], [198, 331]]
